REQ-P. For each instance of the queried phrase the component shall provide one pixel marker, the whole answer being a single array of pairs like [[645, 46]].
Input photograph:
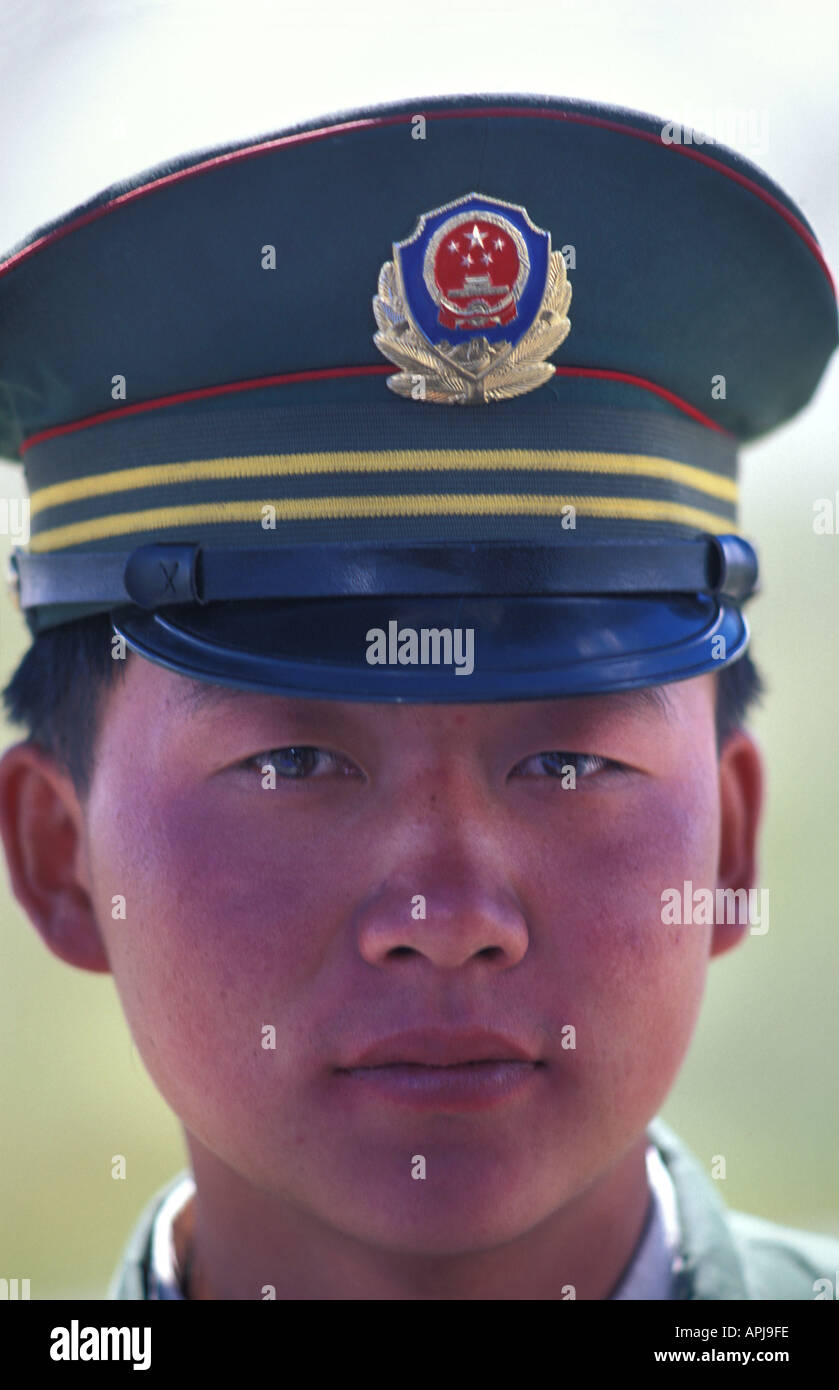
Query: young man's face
[[297, 909]]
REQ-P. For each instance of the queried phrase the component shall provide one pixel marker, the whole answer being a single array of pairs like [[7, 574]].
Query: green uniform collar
[[711, 1265]]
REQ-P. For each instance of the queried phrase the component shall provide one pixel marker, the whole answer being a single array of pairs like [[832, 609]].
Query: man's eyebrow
[[199, 695], [648, 699], [651, 697]]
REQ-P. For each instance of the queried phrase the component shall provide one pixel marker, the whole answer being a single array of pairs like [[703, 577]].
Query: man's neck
[[238, 1240]]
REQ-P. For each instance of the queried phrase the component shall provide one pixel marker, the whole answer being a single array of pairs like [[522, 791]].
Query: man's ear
[[43, 829], [741, 803]]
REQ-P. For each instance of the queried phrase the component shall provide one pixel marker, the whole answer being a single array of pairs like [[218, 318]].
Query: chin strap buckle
[[737, 569], [163, 573]]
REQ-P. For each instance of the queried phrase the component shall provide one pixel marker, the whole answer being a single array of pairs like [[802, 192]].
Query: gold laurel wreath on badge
[[477, 371]]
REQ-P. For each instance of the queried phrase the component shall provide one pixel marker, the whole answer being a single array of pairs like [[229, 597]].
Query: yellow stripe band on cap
[[344, 508], [388, 461]]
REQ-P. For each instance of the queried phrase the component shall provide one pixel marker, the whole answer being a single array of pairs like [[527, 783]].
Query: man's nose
[[444, 893]]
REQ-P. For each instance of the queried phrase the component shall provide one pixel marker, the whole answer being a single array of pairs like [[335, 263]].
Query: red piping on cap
[[330, 373]]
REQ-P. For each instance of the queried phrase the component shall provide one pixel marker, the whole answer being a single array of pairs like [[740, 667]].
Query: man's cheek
[[202, 1020], [632, 861], [206, 958], [195, 878], [638, 977]]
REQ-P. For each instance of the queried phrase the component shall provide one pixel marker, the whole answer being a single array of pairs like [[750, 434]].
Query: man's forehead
[[194, 696]]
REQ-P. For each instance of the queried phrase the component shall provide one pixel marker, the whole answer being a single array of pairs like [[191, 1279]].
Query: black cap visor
[[420, 649]]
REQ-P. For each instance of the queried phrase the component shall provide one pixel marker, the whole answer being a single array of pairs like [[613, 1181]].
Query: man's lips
[[438, 1047], [442, 1070]]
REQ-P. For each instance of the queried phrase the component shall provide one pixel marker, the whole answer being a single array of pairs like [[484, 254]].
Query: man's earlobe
[[741, 803], [42, 827]]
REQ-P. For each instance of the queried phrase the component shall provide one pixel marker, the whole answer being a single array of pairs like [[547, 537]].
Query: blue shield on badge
[[476, 267]]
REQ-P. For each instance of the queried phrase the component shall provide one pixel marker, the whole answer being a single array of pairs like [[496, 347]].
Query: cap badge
[[471, 304]]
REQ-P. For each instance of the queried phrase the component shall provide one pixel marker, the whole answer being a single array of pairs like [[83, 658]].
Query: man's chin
[[461, 1207], [438, 1232]]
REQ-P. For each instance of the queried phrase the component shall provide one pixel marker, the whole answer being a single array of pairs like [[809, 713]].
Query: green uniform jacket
[[725, 1255]]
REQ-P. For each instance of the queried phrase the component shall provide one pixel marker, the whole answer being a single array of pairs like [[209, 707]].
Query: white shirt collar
[[652, 1271], [163, 1274]]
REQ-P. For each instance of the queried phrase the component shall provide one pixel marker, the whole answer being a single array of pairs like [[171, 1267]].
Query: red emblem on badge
[[477, 273]]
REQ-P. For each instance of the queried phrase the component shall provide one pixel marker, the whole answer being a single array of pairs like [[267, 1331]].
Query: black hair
[[57, 691]]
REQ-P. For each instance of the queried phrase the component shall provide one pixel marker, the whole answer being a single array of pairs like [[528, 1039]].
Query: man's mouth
[[444, 1069], [441, 1047]]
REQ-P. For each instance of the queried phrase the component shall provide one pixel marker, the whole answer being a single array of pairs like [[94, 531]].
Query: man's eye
[[297, 763], [556, 764]]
